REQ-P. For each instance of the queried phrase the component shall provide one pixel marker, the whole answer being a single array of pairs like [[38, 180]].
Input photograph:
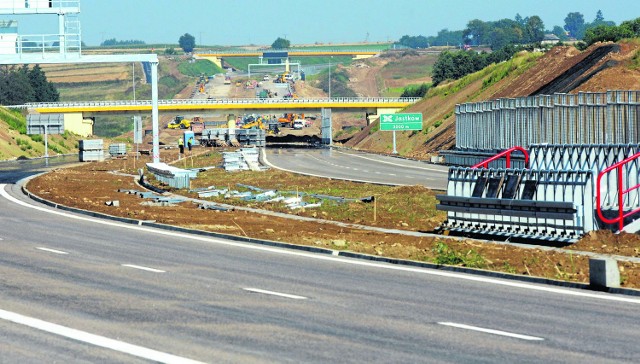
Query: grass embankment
[[14, 142]]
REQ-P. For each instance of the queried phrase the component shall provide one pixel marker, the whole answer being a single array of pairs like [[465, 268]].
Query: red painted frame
[[507, 153], [621, 215]]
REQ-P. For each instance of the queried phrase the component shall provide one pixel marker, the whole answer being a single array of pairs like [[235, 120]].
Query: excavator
[[254, 124], [287, 119]]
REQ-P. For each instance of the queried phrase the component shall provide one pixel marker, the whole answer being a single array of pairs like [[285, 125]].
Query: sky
[[260, 22]]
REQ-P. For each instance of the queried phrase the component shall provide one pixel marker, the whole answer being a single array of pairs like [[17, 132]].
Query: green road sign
[[400, 122]]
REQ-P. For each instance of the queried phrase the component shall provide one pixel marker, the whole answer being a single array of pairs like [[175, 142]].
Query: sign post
[[401, 122]]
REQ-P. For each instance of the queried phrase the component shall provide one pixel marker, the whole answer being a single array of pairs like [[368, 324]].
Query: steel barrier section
[[582, 118], [544, 204], [595, 158]]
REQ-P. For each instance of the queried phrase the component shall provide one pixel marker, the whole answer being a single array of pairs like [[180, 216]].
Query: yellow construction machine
[[179, 123]]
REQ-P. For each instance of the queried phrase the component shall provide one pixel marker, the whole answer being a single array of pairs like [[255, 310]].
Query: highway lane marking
[[492, 331], [394, 164], [93, 339], [52, 251], [144, 268], [286, 295], [433, 272]]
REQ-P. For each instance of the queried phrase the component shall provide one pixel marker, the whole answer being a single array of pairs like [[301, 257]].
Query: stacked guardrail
[[118, 150], [554, 199], [243, 159], [91, 150], [172, 176], [610, 117]]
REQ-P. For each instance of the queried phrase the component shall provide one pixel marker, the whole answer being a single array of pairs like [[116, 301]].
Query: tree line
[[19, 85], [497, 34]]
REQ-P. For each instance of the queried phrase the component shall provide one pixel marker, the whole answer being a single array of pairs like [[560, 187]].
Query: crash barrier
[[544, 204], [627, 185], [243, 159], [556, 199], [172, 176], [595, 158], [255, 137], [610, 117], [91, 150], [118, 149], [222, 136]]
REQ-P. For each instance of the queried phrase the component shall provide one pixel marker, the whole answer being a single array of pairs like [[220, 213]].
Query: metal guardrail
[[622, 177], [583, 118], [507, 154], [138, 103]]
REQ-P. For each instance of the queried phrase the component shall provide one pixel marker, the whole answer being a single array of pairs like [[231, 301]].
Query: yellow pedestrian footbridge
[[373, 105]]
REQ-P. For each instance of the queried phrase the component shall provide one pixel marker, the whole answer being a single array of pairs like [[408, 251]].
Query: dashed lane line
[[272, 293], [491, 331], [52, 251]]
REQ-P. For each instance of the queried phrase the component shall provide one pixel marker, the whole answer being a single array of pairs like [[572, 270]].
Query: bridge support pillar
[[154, 113], [327, 133]]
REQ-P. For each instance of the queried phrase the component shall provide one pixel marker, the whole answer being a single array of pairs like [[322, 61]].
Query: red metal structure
[[621, 192], [507, 153]]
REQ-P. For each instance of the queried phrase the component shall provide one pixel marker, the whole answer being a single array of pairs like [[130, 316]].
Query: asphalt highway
[[213, 300], [77, 289], [359, 166]]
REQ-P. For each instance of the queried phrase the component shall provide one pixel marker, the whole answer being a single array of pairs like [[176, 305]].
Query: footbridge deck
[[198, 105]]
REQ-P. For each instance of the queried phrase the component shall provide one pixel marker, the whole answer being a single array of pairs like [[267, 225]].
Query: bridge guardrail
[[340, 100]]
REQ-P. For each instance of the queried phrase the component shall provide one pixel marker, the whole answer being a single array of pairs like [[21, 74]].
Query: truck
[[298, 124]]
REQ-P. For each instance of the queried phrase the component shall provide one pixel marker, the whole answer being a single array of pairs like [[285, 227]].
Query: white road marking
[[491, 331], [286, 295], [101, 341], [144, 268], [52, 251], [394, 164], [467, 277]]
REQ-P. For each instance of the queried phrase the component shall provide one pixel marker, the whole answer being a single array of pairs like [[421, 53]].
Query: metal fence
[[583, 118]]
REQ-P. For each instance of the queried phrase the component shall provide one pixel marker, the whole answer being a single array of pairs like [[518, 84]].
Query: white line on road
[[144, 268], [433, 272], [52, 251], [257, 290], [491, 331], [92, 339]]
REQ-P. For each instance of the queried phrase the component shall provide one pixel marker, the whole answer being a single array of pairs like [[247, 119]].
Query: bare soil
[[91, 185]]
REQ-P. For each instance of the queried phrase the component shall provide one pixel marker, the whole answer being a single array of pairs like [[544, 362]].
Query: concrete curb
[[339, 253]]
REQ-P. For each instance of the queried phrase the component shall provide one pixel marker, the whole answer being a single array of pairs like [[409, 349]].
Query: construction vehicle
[[227, 80], [254, 124], [179, 123], [282, 78], [287, 119]]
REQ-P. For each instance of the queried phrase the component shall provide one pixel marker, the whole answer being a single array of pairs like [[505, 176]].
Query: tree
[[476, 32], [534, 29], [281, 43], [574, 24], [44, 91], [560, 32], [187, 42]]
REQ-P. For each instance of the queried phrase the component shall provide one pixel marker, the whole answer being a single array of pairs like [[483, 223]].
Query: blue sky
[[241, 22]]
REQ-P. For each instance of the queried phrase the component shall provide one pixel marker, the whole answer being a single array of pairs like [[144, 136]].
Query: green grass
[[199, 67], [242, 63], [14, 119]]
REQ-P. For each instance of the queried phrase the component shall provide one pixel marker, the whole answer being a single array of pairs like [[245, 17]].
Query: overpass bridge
[[282, 56], [371, 105]]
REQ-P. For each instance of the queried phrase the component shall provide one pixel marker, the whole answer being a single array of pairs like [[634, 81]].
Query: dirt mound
[[577, 74]]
